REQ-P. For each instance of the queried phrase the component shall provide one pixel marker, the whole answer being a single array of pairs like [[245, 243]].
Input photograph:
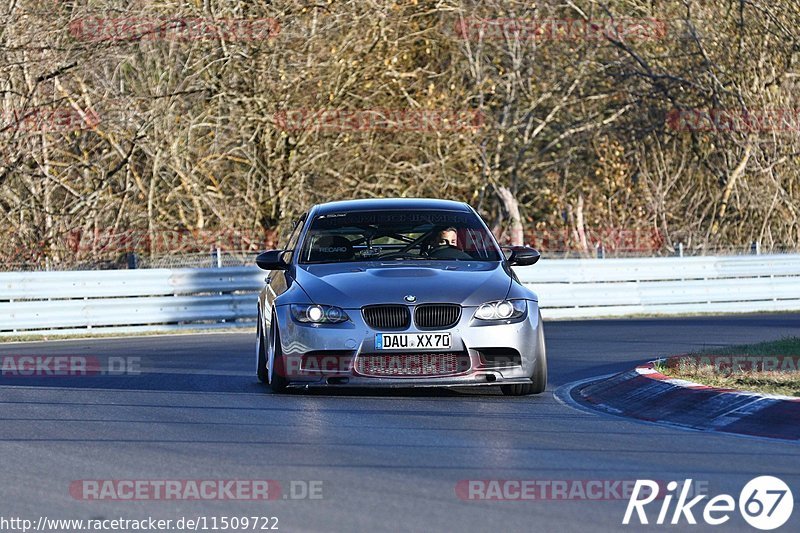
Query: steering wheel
[[448, 251]]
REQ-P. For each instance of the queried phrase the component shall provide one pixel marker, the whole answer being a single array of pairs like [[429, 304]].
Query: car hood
[[353, 285]]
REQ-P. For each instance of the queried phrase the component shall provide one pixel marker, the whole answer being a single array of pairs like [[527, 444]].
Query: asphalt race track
[[191, 409]]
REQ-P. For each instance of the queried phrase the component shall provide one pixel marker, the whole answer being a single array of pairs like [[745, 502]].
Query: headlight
[[319, 314], [503, 310]]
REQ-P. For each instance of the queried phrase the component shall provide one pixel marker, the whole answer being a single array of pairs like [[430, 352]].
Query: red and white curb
[[646, 394], [650, 371]]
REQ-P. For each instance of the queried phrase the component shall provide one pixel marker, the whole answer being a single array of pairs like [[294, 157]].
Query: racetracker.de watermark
[[609, 237], [195, 489], [734, 120], [532, 29], [397, 120], [67, 366], [734, 364], [97, 29], [126, 240], [558, 489], [61, 119]]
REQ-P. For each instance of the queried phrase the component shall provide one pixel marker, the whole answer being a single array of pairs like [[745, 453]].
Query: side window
[[291, 244]]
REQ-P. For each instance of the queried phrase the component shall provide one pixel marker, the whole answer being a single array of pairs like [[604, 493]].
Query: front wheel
[[539, 378], [261, 353], [277, 381]]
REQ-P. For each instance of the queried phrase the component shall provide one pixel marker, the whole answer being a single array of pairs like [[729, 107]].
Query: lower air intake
[[412, 365]]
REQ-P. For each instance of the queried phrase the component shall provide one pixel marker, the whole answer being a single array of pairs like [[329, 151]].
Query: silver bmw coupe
[[398, 293]]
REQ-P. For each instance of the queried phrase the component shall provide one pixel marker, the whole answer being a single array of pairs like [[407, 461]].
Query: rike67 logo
[[765, 503]]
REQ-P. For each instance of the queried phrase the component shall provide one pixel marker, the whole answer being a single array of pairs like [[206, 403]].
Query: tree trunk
[[511, 206]]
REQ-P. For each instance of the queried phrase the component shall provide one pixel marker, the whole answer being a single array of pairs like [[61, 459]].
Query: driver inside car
[[447, 237], [444, 245]]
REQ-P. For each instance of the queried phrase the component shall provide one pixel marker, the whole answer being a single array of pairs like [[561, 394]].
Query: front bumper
[[327, 355]]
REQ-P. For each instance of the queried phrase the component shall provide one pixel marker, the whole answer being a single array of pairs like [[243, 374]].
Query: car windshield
[[399, 236]]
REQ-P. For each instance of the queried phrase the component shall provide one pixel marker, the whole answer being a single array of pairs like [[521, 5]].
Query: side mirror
[[523, 256], [272, 260]]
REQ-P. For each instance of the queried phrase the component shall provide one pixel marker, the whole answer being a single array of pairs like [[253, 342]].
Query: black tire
[[261, 363], [516, 390], [539, 378], [278, 383]]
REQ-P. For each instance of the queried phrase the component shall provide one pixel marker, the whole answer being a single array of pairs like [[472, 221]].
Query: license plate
[[412, 341]]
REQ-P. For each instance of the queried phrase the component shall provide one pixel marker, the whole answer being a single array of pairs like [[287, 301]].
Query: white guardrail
[[164, 299]]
